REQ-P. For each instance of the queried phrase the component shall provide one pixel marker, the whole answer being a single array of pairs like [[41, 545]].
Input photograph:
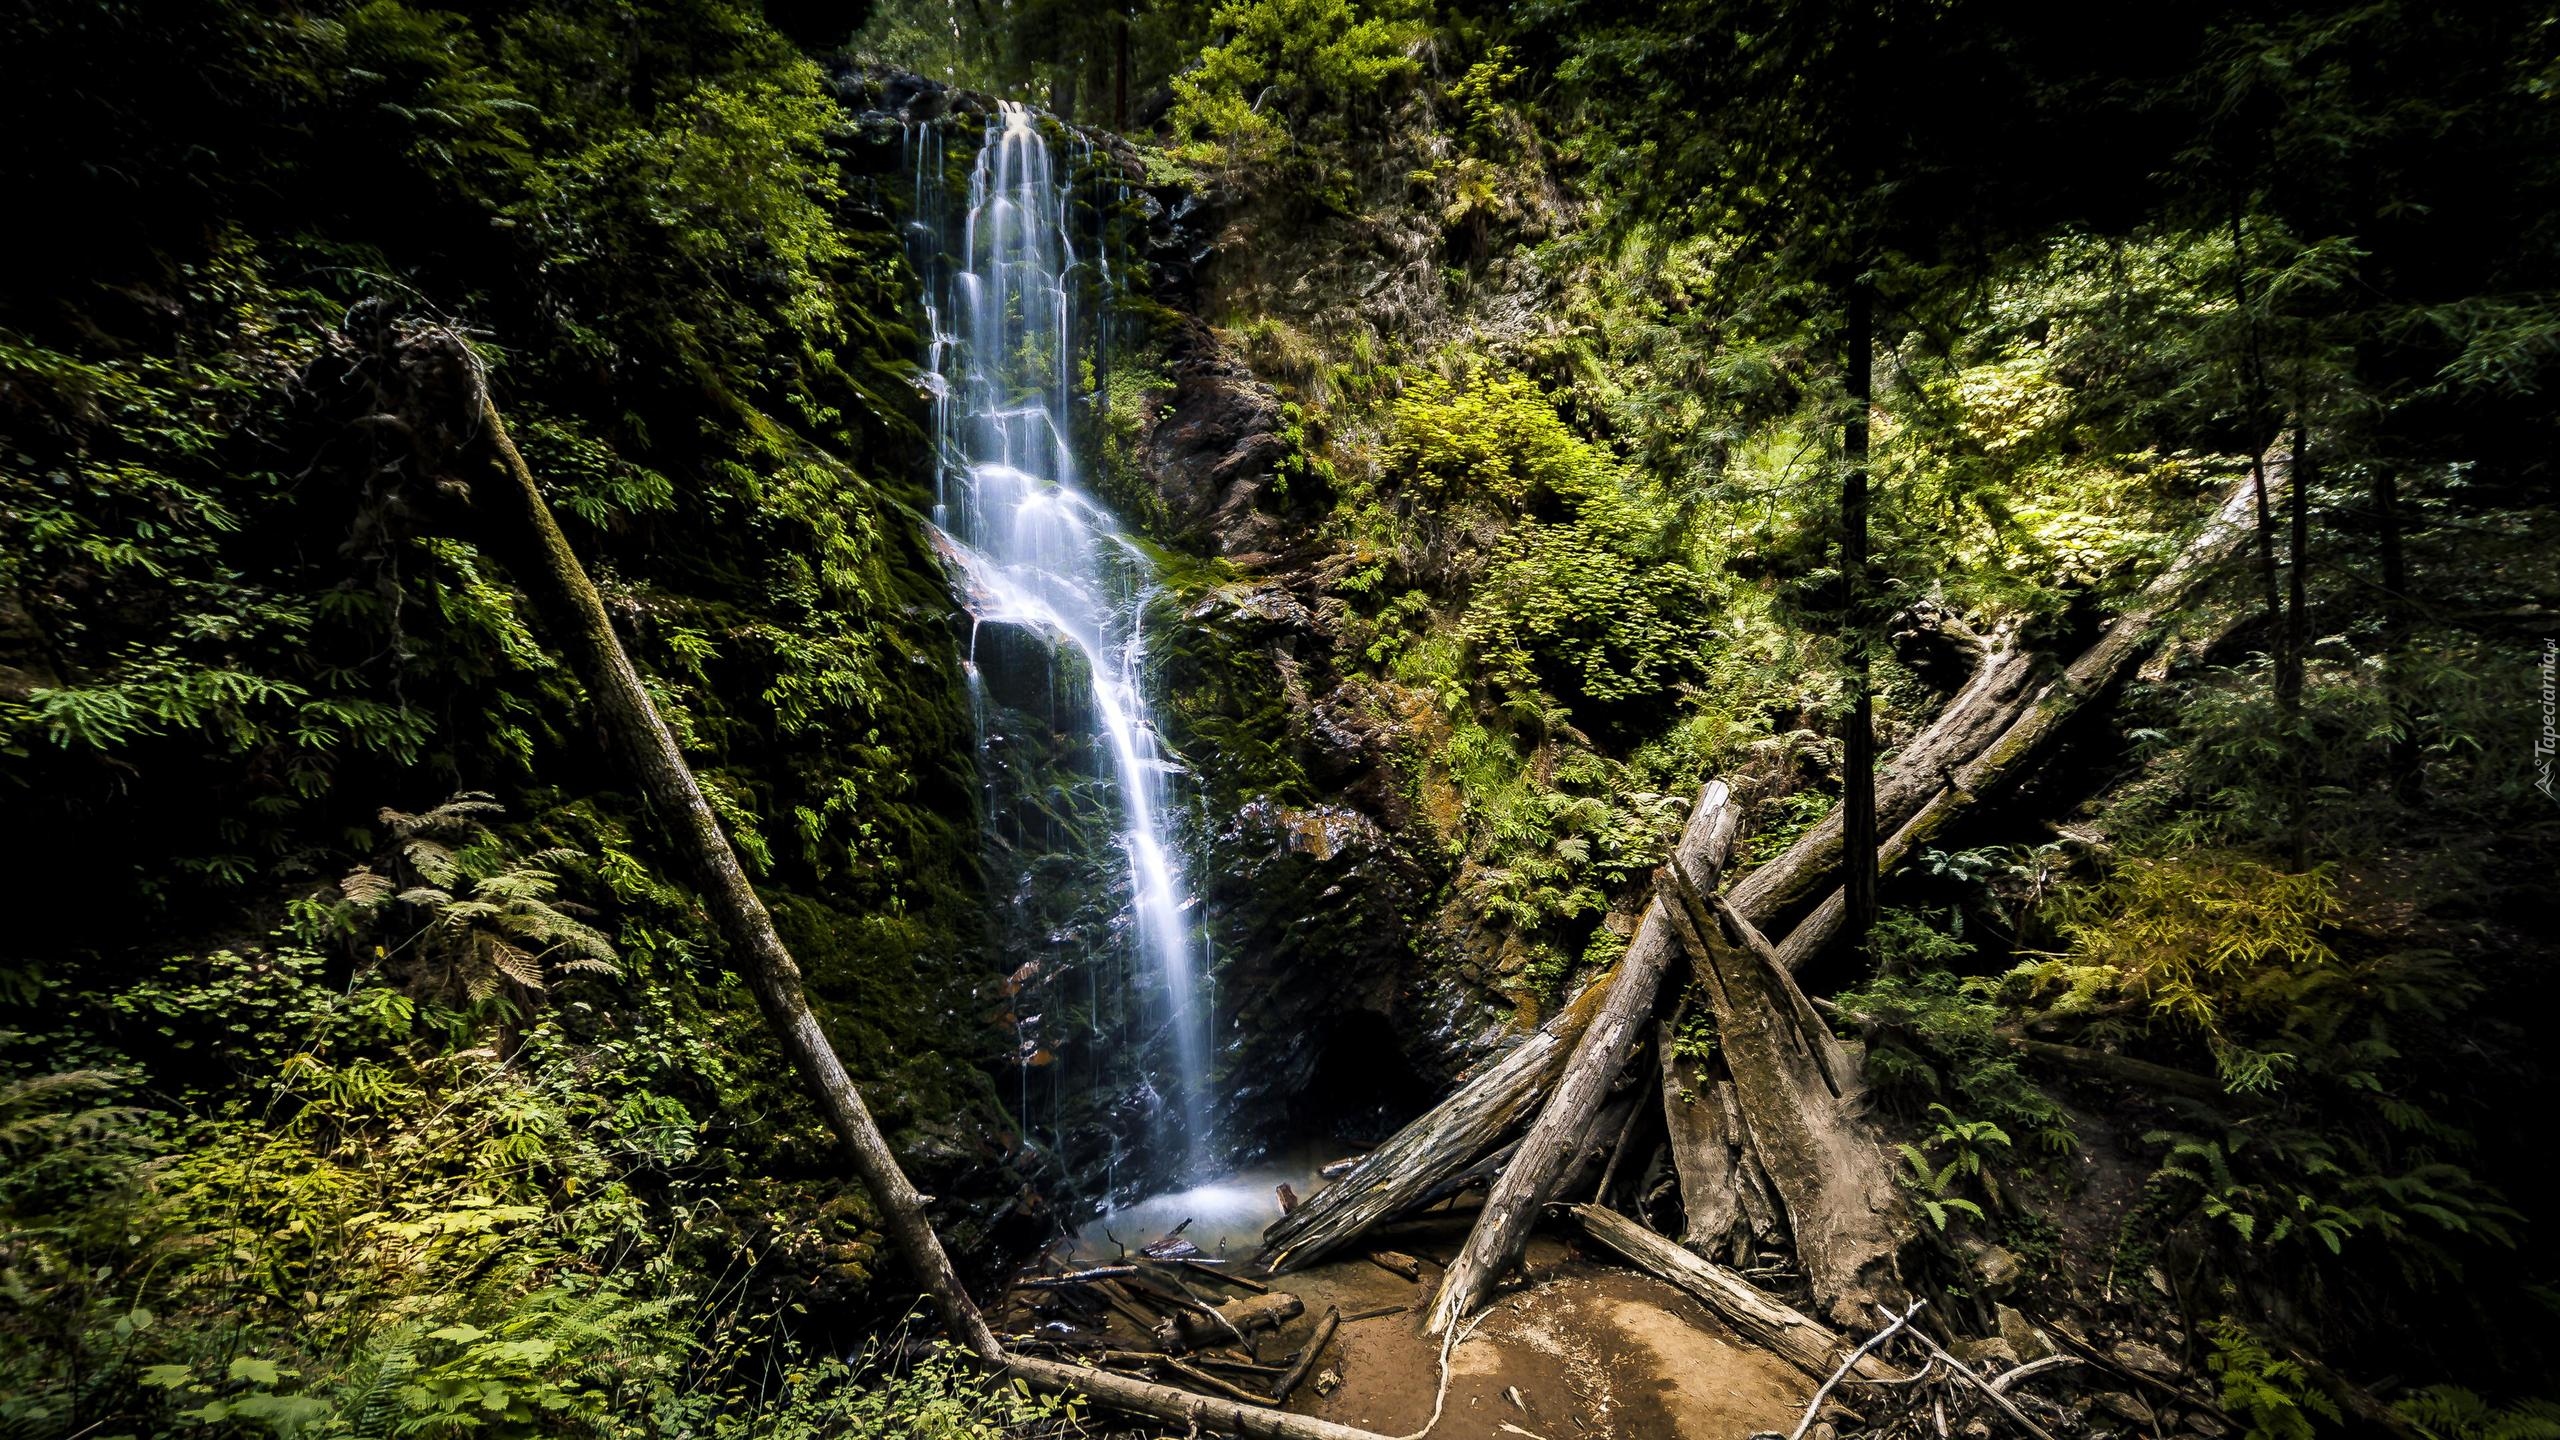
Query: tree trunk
[[2408, 776], [1802, 1107], [2297, 649], [1858, 761], [1526, 1184], [1802, 1341], [641, 744], [1176, 1407]]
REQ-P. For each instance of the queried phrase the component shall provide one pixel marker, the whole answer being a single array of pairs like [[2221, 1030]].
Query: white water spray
[[1036, 550]]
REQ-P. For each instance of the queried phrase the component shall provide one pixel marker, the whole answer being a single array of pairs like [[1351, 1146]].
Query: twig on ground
[[1813, 1407]]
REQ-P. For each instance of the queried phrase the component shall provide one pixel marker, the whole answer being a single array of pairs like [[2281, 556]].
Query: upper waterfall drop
[[1038, 551]]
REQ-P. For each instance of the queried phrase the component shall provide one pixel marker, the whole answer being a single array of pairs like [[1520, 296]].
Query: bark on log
[[1801, 1340], [643, 746], [1529, 1181], [2123, 1069], [1176, 1407], [1801, 1107], [1706, 1157], [1961, 756]]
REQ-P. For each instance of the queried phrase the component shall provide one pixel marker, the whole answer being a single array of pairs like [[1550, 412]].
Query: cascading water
[[1041, 556]]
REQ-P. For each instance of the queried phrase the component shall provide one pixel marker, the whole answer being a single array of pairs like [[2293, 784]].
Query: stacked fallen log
[[1801, 1101], [1935, 779], [1530, 1179], [1995, 727]]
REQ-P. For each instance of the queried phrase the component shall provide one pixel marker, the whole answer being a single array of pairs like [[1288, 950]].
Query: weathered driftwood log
[[1802, 1107], [1960, 757], [1305, 1364], [1237, 1319], [639, 741], [1801, 1340], [1527, 1183], [2123, 1069]]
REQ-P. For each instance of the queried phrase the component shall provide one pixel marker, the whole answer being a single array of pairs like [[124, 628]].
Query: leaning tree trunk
[[1858, 753], [1502, 1227], [642, 745]]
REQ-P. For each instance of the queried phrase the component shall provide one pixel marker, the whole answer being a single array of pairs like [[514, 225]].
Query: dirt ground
[[1584, 1348]]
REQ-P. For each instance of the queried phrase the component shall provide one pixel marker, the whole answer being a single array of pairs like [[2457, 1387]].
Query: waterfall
[[1040, 555]]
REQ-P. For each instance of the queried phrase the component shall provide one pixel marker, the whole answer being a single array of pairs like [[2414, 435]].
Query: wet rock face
[[1313, 904], [1214, 452]]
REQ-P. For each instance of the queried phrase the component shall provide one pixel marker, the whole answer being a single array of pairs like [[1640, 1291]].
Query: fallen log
[[1947, 778], [1801, 1107], [1306, 1361], [1200, 1377], [1241, 1319], [1225, 1277], [2123, 1069], [1527, 1183], [1397, 1263], [2008, 689], [1704, 1155], [1799, 1339], [1176, 1407], [1077, 1277], [1408, 1171]]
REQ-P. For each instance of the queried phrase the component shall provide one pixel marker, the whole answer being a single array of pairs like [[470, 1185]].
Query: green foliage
[[2449, 1412], [2206, 940], [1936, 1041], [2271, 1395], [488, 917], [1283, 76], [1969, 1147]]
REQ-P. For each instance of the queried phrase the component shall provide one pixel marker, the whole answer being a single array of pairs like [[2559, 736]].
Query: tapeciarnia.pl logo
[[2547, 745]]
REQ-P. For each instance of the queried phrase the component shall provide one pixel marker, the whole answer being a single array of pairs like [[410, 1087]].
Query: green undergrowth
[[388, 1078]]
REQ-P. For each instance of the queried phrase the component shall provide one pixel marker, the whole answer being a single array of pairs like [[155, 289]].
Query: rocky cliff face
[[1341, 992]]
